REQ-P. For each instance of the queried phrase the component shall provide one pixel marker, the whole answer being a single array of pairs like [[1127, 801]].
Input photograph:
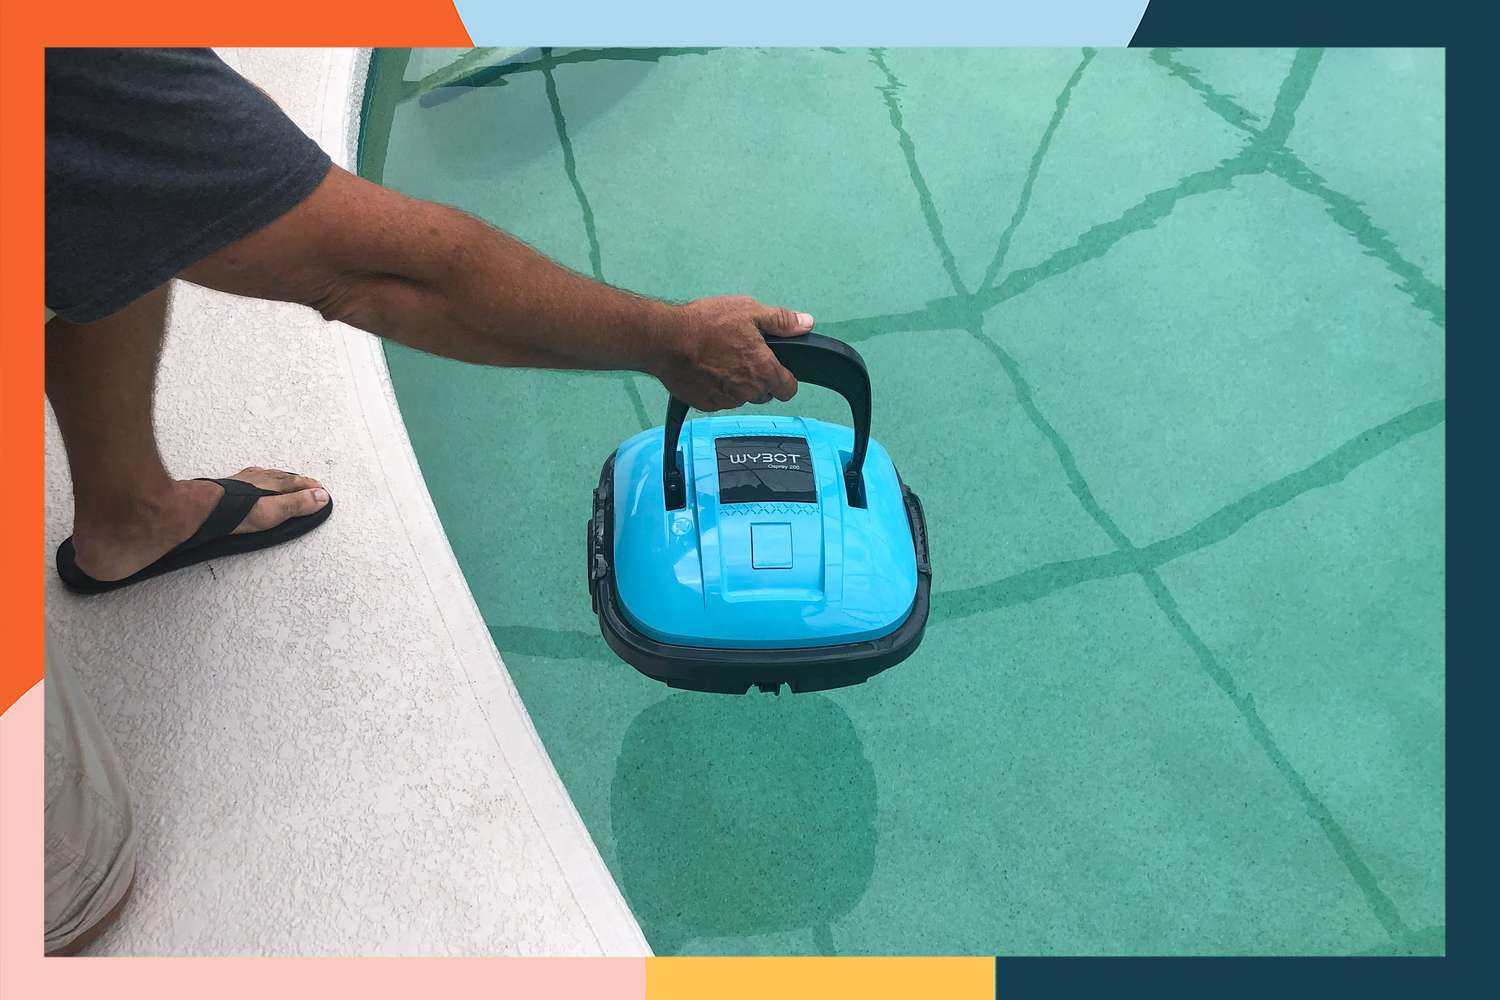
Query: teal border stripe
[[800, 22]]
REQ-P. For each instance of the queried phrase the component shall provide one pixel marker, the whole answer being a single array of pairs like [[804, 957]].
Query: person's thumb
[[783, 322]]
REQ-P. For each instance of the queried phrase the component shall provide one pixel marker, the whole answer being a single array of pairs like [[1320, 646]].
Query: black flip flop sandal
[[212, 540]]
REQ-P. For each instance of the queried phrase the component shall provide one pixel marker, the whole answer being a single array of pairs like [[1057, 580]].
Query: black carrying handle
[[811, 358]]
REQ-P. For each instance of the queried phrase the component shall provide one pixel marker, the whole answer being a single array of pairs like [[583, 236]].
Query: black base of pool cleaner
[[764, 551]]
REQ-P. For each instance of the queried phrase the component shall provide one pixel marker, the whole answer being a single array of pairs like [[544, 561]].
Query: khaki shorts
[[89, 836]]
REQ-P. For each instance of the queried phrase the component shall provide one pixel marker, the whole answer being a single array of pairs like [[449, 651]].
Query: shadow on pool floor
[[735, 817]]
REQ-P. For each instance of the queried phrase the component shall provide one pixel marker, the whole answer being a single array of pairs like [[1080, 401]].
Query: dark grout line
[[1222, 105], [956, 312], [1095, 242], [1346, 212], [930, 318], [1145, 214], [1329, 470], [1061, 108], [570, 167], [1289, 98], [633, 393], [1379, 903], [888, 93], [1076, 482], [1350, 216], [1043, 581], [596, 255]]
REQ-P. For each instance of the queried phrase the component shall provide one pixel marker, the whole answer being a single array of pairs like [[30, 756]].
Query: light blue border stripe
[[801, 22]]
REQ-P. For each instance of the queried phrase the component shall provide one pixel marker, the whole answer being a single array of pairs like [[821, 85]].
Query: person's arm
[[442, 281]]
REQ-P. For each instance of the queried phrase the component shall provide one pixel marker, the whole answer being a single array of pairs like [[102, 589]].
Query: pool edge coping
[[484, 672]]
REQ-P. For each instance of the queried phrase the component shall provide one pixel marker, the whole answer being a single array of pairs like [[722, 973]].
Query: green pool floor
[[1159, 338]]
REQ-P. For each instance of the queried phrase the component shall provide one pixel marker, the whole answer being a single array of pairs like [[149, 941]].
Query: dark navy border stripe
[[1219, 978], [1294, 22]]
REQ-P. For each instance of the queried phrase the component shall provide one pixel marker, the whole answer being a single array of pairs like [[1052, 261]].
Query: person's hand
[[716, 358]]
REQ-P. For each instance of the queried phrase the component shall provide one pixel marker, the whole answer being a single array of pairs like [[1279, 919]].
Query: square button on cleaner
[[726, 553], [771, 546]]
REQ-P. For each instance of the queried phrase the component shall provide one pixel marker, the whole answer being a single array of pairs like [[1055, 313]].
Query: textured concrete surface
[[327, 755], [1160, 344]]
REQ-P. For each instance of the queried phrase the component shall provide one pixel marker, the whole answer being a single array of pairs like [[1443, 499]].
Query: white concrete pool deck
[[327, 754]]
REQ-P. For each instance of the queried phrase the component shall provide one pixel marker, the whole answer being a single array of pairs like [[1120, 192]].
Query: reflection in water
[[741, 816], [493, 132], [461, 117], [490, 67]]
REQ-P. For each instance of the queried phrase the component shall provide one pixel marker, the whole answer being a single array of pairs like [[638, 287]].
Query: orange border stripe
[[21, 316]]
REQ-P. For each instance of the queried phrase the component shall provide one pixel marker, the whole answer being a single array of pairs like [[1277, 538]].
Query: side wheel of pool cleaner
[[740, 551]]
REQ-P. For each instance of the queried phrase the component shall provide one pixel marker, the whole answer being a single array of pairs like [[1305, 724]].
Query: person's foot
[[113, 544]]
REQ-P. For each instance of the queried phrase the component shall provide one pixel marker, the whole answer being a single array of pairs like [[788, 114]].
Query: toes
[[290, 482], [271, 511], [276, 479]]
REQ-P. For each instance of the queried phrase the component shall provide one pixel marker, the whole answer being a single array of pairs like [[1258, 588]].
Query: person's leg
[[128, 510]]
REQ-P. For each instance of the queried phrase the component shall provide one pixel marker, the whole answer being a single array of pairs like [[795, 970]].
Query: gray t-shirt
[[156, 158]]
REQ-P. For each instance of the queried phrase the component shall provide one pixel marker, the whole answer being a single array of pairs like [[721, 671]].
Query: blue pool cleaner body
[[764, 550]]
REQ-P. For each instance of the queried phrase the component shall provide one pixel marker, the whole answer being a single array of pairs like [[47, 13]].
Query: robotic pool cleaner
[[764, 550]]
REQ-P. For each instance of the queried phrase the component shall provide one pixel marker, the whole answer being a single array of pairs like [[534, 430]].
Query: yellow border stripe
[[822, 978]]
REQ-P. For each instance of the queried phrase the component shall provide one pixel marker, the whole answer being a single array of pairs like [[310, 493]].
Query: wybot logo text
[[774, 457]]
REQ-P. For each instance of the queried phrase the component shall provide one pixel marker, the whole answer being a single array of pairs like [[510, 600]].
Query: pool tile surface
[[1343, 659], [1162, 350]]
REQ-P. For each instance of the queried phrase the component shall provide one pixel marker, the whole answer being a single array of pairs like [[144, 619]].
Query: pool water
[[1159, 338]]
